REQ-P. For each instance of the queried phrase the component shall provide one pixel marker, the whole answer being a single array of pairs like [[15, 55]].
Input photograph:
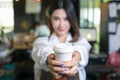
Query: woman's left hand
[[72, 66]]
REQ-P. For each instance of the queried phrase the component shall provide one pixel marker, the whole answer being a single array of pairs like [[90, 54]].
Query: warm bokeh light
[[16, 0], [89, 37]]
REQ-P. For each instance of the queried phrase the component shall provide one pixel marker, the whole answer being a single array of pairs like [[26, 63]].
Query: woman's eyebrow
[[55, 16]]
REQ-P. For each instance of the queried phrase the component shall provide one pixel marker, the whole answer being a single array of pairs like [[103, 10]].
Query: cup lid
[[63, 48]]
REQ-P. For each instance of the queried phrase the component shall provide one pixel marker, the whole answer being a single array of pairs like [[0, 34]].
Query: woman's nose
[[61, 23]]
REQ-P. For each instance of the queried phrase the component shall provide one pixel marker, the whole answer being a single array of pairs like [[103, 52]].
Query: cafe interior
[[96, 19]]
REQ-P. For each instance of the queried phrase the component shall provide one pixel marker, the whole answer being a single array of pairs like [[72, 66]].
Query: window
[[90, 19], [89, 13], [6, 16]]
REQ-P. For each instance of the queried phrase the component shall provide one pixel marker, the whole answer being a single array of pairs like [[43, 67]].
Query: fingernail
[[62, 65], [66, 69]]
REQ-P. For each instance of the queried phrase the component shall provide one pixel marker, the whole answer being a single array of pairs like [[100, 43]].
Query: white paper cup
[[63, 52]]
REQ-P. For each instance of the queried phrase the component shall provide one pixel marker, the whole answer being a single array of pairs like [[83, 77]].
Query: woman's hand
[[72, 66], [54, 66]]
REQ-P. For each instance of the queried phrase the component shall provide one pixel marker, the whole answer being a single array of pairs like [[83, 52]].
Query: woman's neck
[[62, 38]]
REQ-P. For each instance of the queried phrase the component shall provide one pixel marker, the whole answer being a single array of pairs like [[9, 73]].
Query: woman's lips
[[61, 30]]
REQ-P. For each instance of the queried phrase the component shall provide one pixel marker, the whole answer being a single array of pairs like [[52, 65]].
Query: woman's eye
[[56, 18]]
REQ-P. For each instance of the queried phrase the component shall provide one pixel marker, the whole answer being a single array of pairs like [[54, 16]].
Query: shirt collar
[[54, 37]]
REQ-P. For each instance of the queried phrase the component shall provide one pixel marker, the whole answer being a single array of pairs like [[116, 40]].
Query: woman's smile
[[61, 29]]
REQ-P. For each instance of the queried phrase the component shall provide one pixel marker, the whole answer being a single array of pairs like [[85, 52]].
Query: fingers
[[51, 60], [71, 72], [56, 75], [54, 65], [73, 62], [55, 68], [70, 64]]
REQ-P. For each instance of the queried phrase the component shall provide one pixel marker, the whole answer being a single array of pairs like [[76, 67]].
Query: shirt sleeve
[[83, 47], [40, 51]]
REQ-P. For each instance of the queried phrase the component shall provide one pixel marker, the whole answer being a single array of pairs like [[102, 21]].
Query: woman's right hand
[[54, 66]]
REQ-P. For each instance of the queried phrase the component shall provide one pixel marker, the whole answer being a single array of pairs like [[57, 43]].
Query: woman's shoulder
[[82, 40]]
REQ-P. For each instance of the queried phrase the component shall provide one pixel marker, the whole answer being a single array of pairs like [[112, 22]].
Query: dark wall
[[23, 21], [76, 4]]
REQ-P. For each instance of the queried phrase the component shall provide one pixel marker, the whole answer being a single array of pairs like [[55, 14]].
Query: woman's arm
[[40, 52], [80, 57], [83, 47]]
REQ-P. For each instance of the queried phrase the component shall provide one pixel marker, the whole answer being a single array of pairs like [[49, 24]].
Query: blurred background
[[99, 22]]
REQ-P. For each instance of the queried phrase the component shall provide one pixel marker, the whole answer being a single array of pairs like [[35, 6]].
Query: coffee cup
[[63, 52]]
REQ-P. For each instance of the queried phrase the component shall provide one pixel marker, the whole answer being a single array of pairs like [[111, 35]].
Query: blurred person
[[41, 29]]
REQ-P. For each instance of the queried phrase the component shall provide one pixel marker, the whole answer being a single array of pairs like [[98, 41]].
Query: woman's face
[[60, 22]]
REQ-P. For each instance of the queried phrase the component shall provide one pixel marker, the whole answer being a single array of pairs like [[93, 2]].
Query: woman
[[63, 29]]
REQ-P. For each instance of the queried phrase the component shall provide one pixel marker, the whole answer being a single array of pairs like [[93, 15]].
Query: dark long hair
[[67, 5]]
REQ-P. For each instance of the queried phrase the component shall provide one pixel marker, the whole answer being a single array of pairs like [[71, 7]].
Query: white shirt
[[44, 46]]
